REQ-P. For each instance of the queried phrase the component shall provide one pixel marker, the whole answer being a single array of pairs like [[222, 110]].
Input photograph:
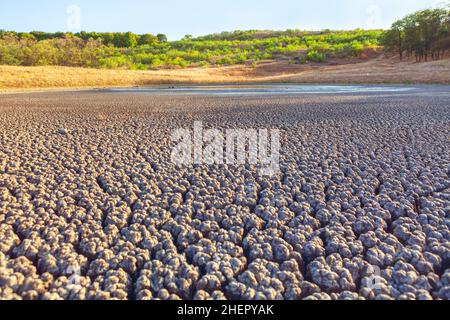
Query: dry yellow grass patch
[[12, 77], [378, 70]]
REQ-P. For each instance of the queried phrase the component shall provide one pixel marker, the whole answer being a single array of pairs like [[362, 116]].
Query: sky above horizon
[[177, 18]]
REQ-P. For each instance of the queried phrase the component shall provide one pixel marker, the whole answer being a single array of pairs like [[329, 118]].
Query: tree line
[[116, 39], [424, 34]]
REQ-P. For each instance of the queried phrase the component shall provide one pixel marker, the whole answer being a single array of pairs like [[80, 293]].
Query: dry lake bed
[[92, 207]]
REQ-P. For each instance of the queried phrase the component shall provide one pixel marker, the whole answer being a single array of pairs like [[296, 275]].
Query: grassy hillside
[[127, 59], [144, 52]]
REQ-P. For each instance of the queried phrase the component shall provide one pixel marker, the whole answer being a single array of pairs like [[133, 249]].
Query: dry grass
[[12, 77], [378, 70], [375, 70]]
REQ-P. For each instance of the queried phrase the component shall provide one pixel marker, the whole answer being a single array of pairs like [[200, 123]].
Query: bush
[[316, 56], [357, 48]]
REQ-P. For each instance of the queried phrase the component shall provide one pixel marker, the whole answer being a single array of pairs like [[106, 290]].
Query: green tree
[[161, 37], [24, 35], [424, 33], [125, 40], [393, 38], [107, 37], [147, 39]]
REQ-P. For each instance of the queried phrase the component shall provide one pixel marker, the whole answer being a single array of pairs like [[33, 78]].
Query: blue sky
[[198, 17]]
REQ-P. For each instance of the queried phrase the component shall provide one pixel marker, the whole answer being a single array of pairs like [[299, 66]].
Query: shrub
[[316, 56], [356, 48]]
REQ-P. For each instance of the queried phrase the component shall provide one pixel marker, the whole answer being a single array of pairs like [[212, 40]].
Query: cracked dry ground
[[86, 180]]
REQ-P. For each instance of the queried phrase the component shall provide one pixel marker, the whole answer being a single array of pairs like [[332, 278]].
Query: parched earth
[[91, 206]]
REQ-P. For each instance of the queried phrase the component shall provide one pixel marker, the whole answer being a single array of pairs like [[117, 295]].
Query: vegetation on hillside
[[424, 34], [131, 51]]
